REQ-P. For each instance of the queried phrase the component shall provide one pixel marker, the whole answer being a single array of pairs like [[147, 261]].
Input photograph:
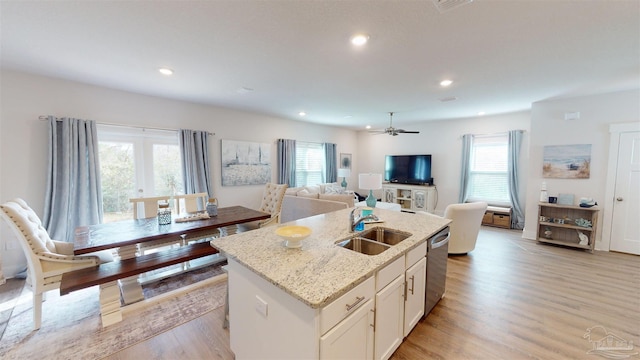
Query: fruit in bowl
[[293, 235]]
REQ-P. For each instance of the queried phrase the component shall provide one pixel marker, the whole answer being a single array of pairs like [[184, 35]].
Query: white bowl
[[293, 235]]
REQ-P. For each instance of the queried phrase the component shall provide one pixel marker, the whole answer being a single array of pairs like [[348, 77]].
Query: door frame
[[614, 142]]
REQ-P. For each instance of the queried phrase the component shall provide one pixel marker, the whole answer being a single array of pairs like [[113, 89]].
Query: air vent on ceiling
[[447, 99], [446, 5]]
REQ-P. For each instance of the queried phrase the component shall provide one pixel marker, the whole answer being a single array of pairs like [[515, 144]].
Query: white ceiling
[[296, 55]]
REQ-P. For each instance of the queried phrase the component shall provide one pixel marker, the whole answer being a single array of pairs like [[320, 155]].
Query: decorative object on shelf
[[547, 232], [553, 199], [583, 222], [344, 173], [345, 161], [587, 202], [584, 239], [212, 207], [370, 182], [567, 161], [543, 192], [565, 199], [558, 221], [164, 214]]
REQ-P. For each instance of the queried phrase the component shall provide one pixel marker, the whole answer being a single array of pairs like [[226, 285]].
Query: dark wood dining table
[[126, 233]]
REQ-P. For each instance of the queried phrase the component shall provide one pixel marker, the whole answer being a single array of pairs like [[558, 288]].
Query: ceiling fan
[[393, 131]]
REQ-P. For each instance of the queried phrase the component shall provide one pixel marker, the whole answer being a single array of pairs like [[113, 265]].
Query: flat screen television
[[408, 169]]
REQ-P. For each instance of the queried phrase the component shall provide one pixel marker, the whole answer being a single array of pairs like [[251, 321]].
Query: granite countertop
[[320, 271]]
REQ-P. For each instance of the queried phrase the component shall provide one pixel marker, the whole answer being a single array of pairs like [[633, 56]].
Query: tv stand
[[411, 198]]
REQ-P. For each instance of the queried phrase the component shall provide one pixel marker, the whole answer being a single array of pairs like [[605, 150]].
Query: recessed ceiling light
[[368, 127], [446, 83], [359, 39], [165, 71], [302, 113], [481, 113]]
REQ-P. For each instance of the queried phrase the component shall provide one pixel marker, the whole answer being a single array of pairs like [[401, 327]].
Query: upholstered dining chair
[[272, 197], [465, 225], [47, 259]]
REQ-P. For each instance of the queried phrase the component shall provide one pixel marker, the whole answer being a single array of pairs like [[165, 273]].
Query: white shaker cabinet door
[[389, 318], [352, 338], [414, 306]]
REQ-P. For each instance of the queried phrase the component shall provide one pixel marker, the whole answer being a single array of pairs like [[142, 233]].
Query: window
[[310, 163], [488, 169], [127, 157]]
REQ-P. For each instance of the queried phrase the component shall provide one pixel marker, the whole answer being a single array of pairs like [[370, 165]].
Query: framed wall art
[[567, 161], [345, 161], [245, 163]]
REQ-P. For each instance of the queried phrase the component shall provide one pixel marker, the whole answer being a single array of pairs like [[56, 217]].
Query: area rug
[[71, 326]]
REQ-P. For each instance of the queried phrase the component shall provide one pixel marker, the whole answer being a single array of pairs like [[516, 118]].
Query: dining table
[[123, 237], [118, 234]]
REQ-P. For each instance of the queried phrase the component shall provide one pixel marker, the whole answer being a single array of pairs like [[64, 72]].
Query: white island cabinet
[[322, 301], [267, 323]]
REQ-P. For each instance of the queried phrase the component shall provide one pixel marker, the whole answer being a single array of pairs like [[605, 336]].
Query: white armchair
[[465, 225], [47, 259]]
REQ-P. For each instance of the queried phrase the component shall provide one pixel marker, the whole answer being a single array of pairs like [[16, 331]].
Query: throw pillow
[[305, 193], [334, 189]]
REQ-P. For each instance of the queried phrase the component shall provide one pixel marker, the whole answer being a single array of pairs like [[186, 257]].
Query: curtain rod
[[42, 117]]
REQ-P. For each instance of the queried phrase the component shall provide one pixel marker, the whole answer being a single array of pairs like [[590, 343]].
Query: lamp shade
[[344, 172], [370, 181]]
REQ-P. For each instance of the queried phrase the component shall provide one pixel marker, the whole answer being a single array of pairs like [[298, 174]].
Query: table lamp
[[344, 173], [370, 182]]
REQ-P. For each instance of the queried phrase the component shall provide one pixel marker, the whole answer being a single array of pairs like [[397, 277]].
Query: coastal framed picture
[[245, 163], [345, 161], [567, 161]]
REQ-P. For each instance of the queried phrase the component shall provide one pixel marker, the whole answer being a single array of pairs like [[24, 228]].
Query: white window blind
[[309, 163], [488, 169]]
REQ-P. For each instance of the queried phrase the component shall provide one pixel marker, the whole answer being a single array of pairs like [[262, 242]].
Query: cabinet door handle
[[355, 303], [618, 199], [412, 279], [374, 320]]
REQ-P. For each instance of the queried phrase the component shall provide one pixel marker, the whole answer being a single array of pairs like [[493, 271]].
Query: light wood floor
[[510, 298]]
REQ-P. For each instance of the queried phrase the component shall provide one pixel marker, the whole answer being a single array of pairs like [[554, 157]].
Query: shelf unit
[[556, 225], [411, 198]]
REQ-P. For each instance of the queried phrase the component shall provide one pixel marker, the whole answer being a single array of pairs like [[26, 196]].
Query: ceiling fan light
[[445, 83]]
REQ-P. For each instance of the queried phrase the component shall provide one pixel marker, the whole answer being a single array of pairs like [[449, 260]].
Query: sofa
[[304, 201]]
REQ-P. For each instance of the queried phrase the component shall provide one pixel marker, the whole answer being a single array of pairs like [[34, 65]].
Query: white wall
[[443, 140], [23, 137], [548, 127]]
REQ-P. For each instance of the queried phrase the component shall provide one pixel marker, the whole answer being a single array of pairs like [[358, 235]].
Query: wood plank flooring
[[510, 298]]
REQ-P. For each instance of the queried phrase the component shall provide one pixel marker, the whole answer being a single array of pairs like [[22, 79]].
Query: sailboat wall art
[[245, 163], [567, 161]]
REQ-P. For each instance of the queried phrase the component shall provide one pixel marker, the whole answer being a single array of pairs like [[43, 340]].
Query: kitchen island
[[282, 301]]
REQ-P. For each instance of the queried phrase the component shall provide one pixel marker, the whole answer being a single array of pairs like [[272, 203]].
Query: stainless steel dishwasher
[[437, 254]]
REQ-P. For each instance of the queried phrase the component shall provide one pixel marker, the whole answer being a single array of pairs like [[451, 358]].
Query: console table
[[411, 198]]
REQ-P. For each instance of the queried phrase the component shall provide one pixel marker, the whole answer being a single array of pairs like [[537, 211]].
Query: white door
[[389, 318], [352, 338], [625, 230], [414, 306]]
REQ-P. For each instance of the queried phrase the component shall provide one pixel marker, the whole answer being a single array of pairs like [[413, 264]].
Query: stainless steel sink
[[363, 246], [384, 235]]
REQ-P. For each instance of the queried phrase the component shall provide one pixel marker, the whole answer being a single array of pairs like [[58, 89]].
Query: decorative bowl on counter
[[293, 235]]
